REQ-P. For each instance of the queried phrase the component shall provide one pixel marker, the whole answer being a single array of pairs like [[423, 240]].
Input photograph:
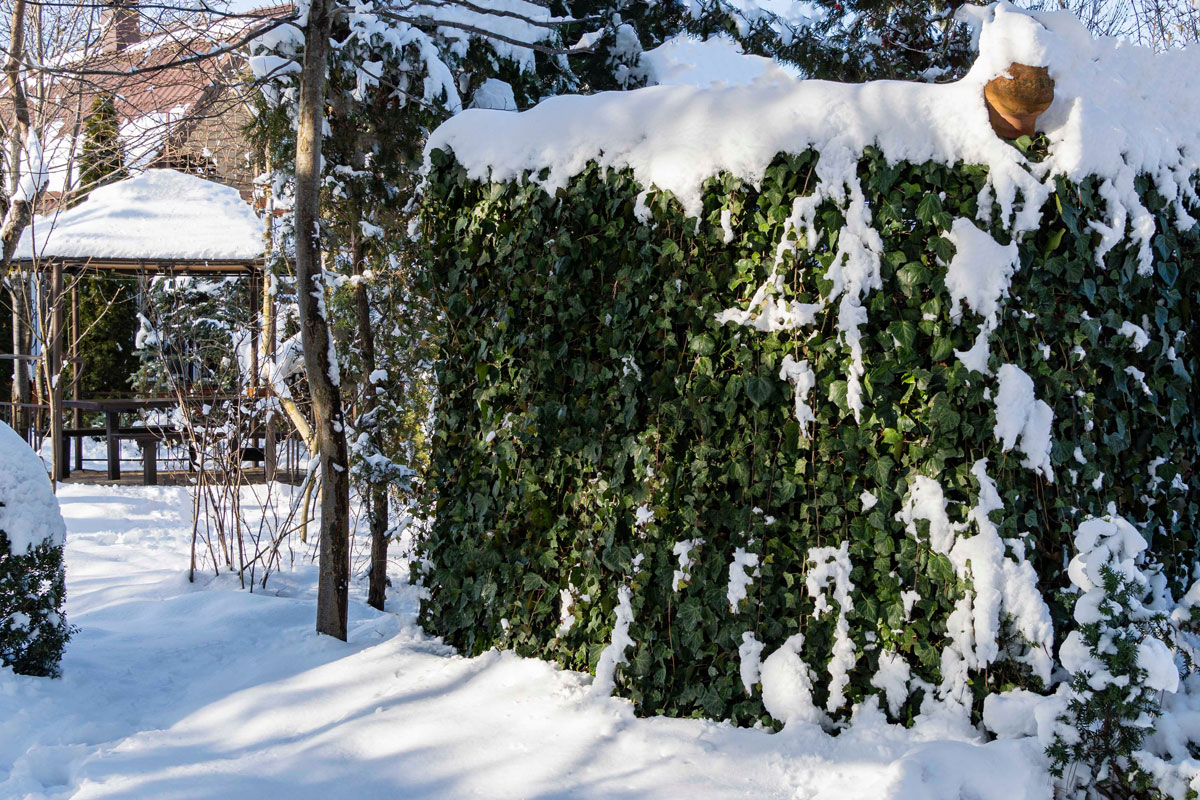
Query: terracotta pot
[[1015, 103]]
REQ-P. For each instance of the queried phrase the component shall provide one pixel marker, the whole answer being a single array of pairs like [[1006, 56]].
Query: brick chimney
[[120, 25]]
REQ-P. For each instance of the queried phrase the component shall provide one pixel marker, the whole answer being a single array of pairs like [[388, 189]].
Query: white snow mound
[[29, 515]]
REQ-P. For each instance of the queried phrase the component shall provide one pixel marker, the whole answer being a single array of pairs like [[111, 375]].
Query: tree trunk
[[319, 358], [21, 201], [378, 513]]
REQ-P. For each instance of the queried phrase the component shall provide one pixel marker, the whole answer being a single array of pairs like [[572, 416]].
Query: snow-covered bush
[[874, 366], [1119, 659], [33, 630]]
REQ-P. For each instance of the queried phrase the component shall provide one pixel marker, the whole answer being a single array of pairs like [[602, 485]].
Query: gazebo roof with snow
[[158, 221]]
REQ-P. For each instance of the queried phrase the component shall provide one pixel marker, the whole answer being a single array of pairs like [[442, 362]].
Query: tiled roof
[[162, 86]]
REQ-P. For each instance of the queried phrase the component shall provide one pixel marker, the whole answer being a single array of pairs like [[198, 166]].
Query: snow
[[978, 275], [1010, 715], [614, 654], [979, 272], [495, 94], [831, 565], [566, 615], [1002, 586], [803, 381], [29, 514], [173, 689], [926, 501], [1159, 663], [683, 551], [1099, 542], [1138, 338], [740, 577], [1119, 111], [143, 137], [1108, 95], [160, 214], [1140, 378], [787, 685], [749, 661], [718, 61], [1020, 415], [726, 225], [518, 23], [892, 679]]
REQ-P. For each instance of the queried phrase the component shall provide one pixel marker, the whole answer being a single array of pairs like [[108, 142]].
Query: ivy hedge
[[592, 412]]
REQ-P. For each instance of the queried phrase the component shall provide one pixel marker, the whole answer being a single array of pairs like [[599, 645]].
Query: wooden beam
[[58, 444], [133, 266]]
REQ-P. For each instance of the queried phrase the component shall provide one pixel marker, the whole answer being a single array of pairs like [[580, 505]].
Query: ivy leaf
[[930, 204], [903, 332], [1168, 271], [703, 345], [1053, 241], [759, 390], [837, 393], [941, 349]]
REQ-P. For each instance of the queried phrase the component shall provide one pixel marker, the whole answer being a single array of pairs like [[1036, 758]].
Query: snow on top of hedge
[[29, 515], [1119, 110], [160, 214]]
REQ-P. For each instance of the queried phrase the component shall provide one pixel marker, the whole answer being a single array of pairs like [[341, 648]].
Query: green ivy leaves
[[706, 435]]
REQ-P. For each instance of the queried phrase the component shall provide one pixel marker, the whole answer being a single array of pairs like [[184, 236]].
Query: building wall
[[214, 145]]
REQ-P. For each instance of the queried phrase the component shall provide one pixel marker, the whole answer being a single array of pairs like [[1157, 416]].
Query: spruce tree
[[101, 154], [107, 304]]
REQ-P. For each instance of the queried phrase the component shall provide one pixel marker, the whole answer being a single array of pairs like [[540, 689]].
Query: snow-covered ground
[[178, 690]]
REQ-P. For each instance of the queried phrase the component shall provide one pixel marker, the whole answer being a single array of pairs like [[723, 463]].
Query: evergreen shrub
[[600, 437], [33, 630]]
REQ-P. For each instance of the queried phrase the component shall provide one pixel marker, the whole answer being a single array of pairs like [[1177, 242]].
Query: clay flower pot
[[1015, 103]]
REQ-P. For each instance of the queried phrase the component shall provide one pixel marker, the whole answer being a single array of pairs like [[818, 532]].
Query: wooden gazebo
[[160, 222]]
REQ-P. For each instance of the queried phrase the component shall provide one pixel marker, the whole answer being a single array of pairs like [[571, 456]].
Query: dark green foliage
[[107, 306], [108, 325], [845, 40], [102, 153], [33, 631], [545, 443]]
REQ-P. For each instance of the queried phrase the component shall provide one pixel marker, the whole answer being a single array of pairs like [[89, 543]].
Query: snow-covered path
[[178, 690]]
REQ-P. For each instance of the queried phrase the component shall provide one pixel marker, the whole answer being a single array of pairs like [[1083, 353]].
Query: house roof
[[163, 85], [161, 219]]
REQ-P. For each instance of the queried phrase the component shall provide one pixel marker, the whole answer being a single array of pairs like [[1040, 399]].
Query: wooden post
[[112, 429], [22, 388], [58, 443], [76, 376], [149, 461], [270, 446]]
